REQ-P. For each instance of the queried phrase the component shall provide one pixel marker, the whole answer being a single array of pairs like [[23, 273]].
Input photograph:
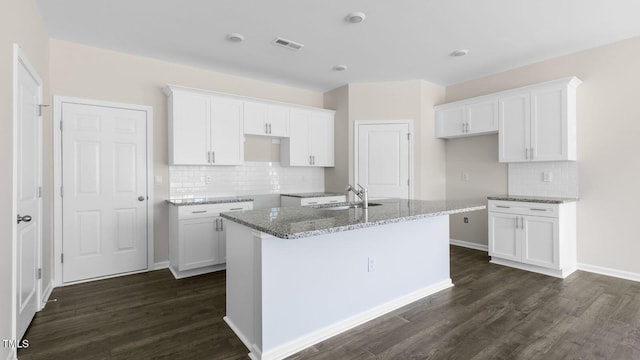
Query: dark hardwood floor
[[492, 312]]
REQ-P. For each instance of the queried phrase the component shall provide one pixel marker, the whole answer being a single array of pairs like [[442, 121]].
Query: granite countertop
[[300, 222], [208, 200], [533, 199], [312, 195]]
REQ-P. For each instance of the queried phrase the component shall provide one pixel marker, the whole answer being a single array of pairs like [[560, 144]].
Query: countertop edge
[[209, 202], [539, 200], [350, 226]]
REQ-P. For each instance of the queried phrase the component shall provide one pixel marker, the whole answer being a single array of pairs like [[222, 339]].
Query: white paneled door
[[28, 193], [104, 185], [383, 159]]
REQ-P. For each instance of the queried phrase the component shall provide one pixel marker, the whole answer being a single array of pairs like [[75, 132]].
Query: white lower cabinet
[[533, 236], [308, 201], [198, 241]]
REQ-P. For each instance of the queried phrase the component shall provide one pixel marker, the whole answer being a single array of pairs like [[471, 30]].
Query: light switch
[[465, 176], [547, 176]]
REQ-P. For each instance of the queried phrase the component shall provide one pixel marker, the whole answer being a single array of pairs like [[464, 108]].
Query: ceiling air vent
[[292, 45]]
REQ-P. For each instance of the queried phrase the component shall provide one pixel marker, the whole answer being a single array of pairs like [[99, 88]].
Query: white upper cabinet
[[204, 129], [465, 118], [266, 119], [538, 123], [311, 139]]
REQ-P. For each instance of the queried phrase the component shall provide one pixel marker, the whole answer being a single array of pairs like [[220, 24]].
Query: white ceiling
[[399, 40]]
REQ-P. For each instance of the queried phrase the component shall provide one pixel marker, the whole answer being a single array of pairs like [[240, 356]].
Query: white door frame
[[19, 57], [356, 146], [57, 181]]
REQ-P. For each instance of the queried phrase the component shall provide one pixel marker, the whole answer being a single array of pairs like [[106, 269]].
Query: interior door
[[383, 159], [104, 177], [29, 195]]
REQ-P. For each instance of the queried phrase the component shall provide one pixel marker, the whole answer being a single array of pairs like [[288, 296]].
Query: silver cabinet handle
[[269, 128], [503, 206], [310, 163], [314, 159], [537, 209], [213, 157], [209, 157], [235, 209], [266, 128], [217, 224], [199, 212], [463, 127], [312, 202]]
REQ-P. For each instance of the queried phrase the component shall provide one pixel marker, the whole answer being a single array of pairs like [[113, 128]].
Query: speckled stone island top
[[311, 195], [533, 199], [208, 200], [300, 222]]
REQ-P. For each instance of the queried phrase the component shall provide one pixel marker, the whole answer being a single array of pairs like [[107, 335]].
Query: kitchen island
[[299, 275]]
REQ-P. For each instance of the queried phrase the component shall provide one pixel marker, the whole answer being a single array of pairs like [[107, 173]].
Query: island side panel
[[243, 283], [316, 287]]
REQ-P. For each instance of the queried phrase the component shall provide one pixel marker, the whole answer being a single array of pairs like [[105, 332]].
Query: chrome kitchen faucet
[[362, 193]]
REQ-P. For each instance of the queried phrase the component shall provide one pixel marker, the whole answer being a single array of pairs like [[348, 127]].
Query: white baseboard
[[304, 342], [469, 245], [627, 275], [238, 333], [161, 265], [46, 293], [533, 268]]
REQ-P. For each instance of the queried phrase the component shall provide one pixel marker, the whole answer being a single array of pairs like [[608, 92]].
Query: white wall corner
[[621, 274], [46, 293], [160, 265], [469, 245]]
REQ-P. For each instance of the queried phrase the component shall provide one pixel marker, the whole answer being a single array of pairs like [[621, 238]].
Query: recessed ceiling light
[[356, 17], [235, 37], [460, 52], [340, 68]]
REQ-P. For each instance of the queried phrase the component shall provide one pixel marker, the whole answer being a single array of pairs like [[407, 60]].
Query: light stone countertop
[[209, 200], [312, 195], [533, 199], [300, 222]]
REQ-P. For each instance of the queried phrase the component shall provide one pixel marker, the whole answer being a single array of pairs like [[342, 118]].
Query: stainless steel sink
[[350, 206]]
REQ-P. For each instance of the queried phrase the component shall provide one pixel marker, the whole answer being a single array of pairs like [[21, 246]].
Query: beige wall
[[21, 24], [404, 100], [337, 177], [87, 72], [608, 132]]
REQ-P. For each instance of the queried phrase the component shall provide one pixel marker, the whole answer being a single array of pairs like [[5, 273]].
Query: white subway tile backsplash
[[528, 179], [248, 179]]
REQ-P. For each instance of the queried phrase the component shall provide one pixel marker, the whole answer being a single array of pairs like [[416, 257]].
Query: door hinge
[[40, 106], [408, 136], [407, 182], [39, 191], [39, 275], [62, 258], [61, 191], [60, 125]]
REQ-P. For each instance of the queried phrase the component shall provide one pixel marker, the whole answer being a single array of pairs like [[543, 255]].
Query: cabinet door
[[549, 138], [198, 243], [227, 140], [278, 120], [450, 122], [514, 117], [504, 241], [321, 137], [540, 241], [255, 118], [482, 117], [189, 130], [299, 147]]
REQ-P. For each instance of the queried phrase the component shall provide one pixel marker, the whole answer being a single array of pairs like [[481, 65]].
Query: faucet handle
[[362, 188]]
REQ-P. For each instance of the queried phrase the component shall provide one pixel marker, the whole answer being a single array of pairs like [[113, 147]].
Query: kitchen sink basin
[[350, 206]]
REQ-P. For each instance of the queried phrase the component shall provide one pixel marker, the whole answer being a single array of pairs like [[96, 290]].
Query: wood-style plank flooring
[[492, 312]]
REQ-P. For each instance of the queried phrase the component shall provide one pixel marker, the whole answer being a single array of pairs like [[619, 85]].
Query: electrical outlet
[[208, 179], [465, 176], [371, 262], [547, 176], [466, 220]]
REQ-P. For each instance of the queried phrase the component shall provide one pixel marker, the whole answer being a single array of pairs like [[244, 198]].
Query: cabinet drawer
[[323, 200], [210, 210], [524, 208]]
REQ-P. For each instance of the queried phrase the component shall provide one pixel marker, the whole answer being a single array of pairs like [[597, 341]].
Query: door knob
[[140, 198], [25, 218]]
